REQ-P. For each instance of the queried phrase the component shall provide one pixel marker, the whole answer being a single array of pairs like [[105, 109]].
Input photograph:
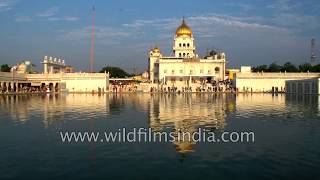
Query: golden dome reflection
[[184, 29]]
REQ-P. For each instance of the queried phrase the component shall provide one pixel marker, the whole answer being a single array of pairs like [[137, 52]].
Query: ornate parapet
[[53, 65]]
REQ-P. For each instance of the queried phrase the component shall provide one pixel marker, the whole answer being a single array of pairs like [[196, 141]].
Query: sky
[[250, 32]]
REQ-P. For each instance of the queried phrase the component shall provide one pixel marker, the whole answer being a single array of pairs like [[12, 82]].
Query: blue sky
[[251, 32]]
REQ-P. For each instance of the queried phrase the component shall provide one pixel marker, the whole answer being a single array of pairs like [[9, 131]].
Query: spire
[[184, 29]]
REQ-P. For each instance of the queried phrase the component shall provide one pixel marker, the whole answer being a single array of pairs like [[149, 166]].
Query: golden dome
[[184, 29], [156, 50]]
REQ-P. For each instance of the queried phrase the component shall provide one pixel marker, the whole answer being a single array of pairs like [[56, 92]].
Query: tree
[[261, 68], [305, 67], [289, 67], [5, 68], [316, 68], [274, 67], [115, 72]]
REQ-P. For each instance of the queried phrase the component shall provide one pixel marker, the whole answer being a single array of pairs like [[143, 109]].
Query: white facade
[[267, 81], [185, 67], [72, 82], [69, 82], [306, 86]]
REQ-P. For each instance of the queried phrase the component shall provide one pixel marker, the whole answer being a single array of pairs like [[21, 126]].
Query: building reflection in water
[[188, 113], [304, 103], [13, 106], [260, 105], [54, 108], [184, 112]]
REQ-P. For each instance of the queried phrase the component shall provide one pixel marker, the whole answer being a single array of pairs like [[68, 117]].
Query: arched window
[[217, 69], [179, 44], [184, 45], [188, 45], [188, 54], [179, 54], [184, 54]]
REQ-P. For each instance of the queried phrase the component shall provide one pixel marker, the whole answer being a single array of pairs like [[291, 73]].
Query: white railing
[[12, 76], [276, 75]]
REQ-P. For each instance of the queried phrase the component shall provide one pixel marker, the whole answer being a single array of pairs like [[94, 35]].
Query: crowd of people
[[123, 86], [5, 90], [119, 86], [215, 86]]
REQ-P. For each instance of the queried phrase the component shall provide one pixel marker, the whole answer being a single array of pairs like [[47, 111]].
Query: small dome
[[156, 50], [184, 29], [212, 53]]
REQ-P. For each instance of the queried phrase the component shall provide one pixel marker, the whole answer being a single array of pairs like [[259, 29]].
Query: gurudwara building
[[185, 67]]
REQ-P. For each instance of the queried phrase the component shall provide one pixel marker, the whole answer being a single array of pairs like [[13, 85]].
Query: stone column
[[11, 86], [45, 68], [51, 69], [17, 87], [3, 86]]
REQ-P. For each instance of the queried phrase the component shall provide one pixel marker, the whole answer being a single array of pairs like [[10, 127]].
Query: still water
[[287, 136]]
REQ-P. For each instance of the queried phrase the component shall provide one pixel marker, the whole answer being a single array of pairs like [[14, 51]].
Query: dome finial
[[183, 29]]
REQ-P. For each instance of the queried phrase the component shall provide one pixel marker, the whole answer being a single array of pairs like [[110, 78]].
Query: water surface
[[287, 136]]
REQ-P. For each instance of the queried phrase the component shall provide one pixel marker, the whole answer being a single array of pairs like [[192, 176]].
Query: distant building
[[185, 67], [267, 81], [145, 75], [305, 86], [55, 78], [245, 69], [53, 65], [23, 67], [230, 73], [68, 69]]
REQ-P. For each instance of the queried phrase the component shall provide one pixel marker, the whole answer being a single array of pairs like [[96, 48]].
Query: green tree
[[316, 68], [261, 68], [274, 67], [5, 68], [115, 72], [289, 67], [305, 67]]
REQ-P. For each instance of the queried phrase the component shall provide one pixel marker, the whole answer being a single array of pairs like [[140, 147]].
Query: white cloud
[[298, 22], [23, 19], [243, 6], [54, 19], [49, 13], [247, 38], [6, 5], [206, 26], [71, 18], [63, 18], [230, 21], [103, 35], [284, 6]]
